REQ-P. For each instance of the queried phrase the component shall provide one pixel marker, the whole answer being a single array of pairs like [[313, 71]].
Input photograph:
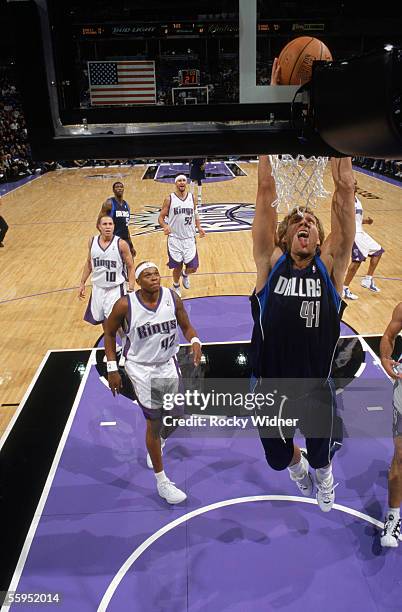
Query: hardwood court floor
[[50, 222]]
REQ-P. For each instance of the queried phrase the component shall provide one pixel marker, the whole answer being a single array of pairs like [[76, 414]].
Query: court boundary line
[[376, 175], [127, 565], [22, 403], [4, 195], [46, 489]]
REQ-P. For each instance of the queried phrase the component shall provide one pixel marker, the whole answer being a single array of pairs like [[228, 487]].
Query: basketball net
[[298, 181]]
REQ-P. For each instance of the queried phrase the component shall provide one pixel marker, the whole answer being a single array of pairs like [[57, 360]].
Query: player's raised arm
[[388, 342], [336, 252], [164, 213], [265, 221]]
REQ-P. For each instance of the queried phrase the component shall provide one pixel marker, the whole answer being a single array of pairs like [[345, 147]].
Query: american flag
[[123, 82]]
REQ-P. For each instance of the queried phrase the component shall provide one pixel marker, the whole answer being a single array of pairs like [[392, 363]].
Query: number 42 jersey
[[107, 264], [296, 322], [152, 335]]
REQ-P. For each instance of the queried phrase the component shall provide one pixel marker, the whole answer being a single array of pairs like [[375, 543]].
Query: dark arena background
[[97, 92]]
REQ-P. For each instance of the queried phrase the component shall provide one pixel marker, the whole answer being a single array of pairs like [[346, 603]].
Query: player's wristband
[[194, 340], [111, 366]]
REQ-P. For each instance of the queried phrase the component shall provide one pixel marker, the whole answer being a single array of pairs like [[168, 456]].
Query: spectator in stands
[[15, 158], [389, 167]]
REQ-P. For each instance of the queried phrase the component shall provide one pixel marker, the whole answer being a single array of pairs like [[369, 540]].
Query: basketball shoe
[[390, 533], [370, 284], [168, 491], [326, 494], [176, 289], [149, 460], [305, 482], [186, 281], [348, 295]]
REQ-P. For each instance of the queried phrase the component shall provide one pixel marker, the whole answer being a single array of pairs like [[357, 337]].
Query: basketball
[[296, 59]]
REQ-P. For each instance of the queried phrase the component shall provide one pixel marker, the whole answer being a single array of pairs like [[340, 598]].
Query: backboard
[[171, 80]]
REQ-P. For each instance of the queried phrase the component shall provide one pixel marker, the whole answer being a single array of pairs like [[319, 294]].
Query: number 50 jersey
[[107, 264], [152, 335], [296, 322], [181, 218]]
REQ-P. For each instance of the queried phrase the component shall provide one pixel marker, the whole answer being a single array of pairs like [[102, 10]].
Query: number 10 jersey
[[107, 264]]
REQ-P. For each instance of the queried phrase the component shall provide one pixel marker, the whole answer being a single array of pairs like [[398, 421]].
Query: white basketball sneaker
[[305, 483], [149, 460], [348, 295], [326, 494], [390, 533], [370, 284], [186, 281], [172, 494]]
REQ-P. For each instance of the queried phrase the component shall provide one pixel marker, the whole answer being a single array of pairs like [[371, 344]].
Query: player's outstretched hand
[[392, 368], [114, 380], [81, 292]]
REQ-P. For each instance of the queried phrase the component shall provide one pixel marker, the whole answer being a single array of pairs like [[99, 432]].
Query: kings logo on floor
[[214, 218]]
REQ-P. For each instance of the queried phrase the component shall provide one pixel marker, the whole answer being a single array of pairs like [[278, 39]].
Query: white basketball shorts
[[182, 250], [101, 303], [155, 386]]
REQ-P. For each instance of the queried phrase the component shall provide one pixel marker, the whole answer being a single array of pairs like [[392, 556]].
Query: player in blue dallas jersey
[[119, 210], [296, 310]]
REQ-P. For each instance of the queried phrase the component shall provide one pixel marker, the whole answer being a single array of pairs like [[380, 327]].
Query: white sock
[[396, 512], [298, 469], [161, 476], [368, 277], [177, 285], [325, 475], [184, 274], [345, 287]]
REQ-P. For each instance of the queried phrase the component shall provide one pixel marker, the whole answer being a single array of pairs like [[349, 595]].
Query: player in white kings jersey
[[364, 246], [108, 256], [392, 525], [179, 220], [150, 318]]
